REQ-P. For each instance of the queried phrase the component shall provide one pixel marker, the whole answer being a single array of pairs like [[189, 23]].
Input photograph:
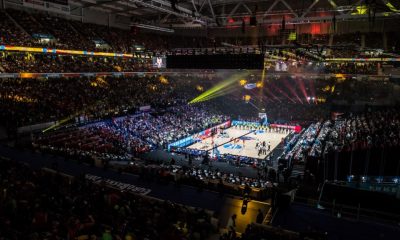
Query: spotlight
[[242, 82], [163, 80], [247, 98], [363, 179], [349, 178]]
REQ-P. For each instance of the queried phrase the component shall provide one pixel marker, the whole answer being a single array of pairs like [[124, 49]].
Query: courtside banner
[[245, 123], [193, 138], [63, 51]]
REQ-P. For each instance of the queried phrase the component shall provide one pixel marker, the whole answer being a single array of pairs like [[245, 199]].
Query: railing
[[72, 75], [387, 184], [348, 211]]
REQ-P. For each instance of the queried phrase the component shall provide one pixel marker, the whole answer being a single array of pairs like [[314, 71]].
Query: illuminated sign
[[159, 62], [63, 51], [363, 59], [292, 36], [250, 86], [117, 185]]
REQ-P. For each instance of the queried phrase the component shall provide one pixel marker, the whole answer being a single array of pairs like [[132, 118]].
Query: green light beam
[[218, 94], [217, 88]]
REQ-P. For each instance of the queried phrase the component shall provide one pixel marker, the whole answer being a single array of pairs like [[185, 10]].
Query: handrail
[[344, 207]]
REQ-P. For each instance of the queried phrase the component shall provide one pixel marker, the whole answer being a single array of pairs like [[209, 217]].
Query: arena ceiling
[[190, 13]]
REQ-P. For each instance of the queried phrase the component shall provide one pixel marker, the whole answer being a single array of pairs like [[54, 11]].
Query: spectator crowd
[[133, 134], [117, 119], [354, 139], [30, 101], [47, 63], [37, 204]]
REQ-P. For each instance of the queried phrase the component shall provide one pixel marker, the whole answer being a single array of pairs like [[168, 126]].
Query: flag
[[334, 22]]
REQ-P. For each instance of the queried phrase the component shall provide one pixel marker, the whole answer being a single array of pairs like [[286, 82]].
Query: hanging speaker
[[253, 21]]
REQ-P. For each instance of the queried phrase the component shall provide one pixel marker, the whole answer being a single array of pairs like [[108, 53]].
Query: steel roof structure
[[192, 13]]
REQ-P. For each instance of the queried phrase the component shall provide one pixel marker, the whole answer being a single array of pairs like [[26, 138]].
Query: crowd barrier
[[254, 125], [296, 128]]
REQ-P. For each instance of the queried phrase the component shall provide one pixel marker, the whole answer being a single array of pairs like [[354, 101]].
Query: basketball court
[[240, 142]]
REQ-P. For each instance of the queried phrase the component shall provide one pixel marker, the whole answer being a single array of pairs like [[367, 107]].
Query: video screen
[[281, 66], [160, 62]]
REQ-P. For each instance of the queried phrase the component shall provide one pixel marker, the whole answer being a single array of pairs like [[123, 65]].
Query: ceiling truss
[[218, 12]]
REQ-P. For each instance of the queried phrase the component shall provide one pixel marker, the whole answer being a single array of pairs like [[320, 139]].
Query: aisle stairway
[[298, 170]]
